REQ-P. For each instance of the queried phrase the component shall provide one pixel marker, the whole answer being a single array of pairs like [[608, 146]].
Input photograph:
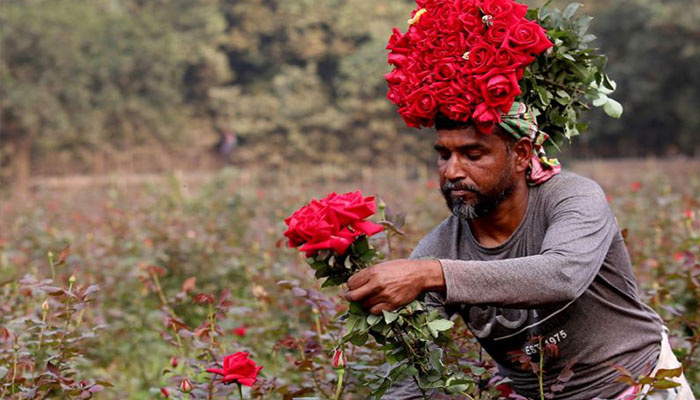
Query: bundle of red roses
[[463, 58], [325, 229], [333, 232]]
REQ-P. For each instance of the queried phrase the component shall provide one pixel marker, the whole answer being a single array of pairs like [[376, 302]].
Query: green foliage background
[[297, 80]]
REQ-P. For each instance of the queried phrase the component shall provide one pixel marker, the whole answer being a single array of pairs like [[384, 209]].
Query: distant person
[[531, 257], [228, 141]]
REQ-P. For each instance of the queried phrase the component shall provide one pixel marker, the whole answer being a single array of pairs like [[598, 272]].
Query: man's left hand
[[392, 284]]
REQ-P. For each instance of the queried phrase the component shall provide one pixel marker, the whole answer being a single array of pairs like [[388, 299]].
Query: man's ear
[[522, 150]]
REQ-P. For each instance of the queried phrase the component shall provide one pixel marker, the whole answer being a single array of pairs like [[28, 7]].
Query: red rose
[[504, 9], [505, 57], [485, 118], [395, 77], [396, 94], [457, 110], [339, 360], [331, 223], [422, 103], [445, 69], [479, 56], [500, 89], [471, 19], [445, 91], [530, 37], [398, 42], [186, 386], [238, 368], [240, 331], [497, 33]]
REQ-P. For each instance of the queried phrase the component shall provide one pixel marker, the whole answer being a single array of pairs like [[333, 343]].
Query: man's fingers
[[377, 309], [359, 293], [358, 279], [371, 301]]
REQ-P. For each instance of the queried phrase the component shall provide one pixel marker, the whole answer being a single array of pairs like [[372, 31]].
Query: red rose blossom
[[240, 331], [238, 368], [500, 89], [529, 36], [331, 223]]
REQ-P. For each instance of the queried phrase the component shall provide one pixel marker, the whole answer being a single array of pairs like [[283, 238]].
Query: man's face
[[476, 171]]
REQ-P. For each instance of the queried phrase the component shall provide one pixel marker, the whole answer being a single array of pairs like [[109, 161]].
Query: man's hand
[[392, 284]]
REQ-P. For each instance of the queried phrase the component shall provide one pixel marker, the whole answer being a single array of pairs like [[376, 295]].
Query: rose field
[[133, 288]]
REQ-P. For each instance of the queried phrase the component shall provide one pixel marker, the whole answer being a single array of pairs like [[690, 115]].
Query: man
[[521, 262]]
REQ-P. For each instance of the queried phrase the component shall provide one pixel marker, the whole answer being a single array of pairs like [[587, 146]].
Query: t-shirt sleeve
[[580, 229]]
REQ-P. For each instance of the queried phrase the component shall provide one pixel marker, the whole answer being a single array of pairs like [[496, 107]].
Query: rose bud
[[186, 385], [45, 305], [240, 331], [165, 392], [173, 362], [339, 360]]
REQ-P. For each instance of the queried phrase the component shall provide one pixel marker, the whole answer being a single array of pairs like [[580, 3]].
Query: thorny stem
[[41, 332], [465, 394], [159, 290], [14, 369], [313, 373], [388, 244], [317, 320], [68, 315], [212, 322], [163, 301], [413, 355]]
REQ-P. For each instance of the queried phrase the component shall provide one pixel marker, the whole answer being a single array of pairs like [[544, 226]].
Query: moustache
[[448, 187]]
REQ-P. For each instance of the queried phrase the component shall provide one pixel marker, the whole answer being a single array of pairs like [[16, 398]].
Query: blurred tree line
[[294, 79]]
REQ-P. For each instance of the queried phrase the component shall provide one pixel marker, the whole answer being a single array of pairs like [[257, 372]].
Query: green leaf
[[351, 322], [359, 340], [542, 94], [390, 316], [669, 373], [601, 100], [613, 108], [373, 319], [609, 83], [440, 325], [665, 384], [570, 10], [356, 308]]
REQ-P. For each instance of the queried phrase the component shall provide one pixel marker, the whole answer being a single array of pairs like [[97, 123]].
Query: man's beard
[[484, 203]]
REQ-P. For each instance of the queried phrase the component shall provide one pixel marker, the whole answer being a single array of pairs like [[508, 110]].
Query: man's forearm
[[433, 279]]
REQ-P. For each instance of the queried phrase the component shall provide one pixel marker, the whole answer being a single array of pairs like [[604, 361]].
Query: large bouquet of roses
[[333, 232], [471, 59], [462, 58]]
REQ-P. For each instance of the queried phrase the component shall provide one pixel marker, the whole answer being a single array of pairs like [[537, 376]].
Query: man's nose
[[454, 170]]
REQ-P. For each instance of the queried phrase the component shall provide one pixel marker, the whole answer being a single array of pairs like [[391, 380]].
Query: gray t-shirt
[[564, 274]]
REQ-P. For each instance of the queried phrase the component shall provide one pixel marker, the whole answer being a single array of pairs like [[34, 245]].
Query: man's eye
[[444, 156], [474, 156]]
